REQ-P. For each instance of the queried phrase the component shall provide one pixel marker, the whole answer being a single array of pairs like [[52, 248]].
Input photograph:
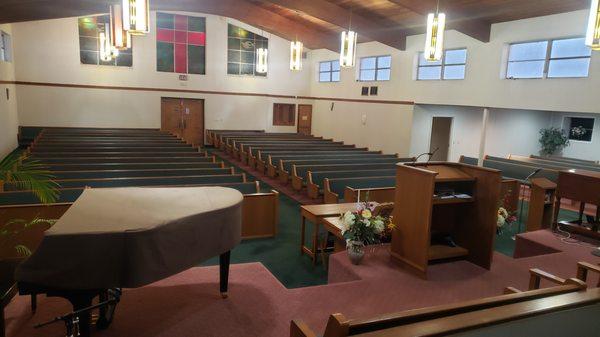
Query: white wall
[[55, 59], [9, 122], [519, 108]]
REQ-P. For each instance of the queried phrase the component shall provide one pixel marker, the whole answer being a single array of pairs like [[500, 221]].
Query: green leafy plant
[[552, 140], [28, 175], [15, 229]]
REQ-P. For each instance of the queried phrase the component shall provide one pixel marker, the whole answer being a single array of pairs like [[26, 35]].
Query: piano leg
[[224, 272], [82, 301]]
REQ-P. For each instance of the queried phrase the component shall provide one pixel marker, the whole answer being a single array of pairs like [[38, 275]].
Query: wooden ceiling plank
[[255, 16], [339, 16], [476, 28]]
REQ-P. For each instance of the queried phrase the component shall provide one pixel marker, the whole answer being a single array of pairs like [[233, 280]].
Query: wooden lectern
[[541, 204], [582, 186], [444, 211]]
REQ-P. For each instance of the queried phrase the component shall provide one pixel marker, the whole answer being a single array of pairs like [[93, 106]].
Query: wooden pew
[[300, 172], [95, 174], [122, 160], [251, 154], [285, 166], [377, 194], [341, 155], [555, 165], [334, 188], [583, 268], [142, 181], [446, 319], [567, 160], [132, 166], [264, 159], [315, 179]]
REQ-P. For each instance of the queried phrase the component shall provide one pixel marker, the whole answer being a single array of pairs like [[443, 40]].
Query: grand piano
[[114, 238]]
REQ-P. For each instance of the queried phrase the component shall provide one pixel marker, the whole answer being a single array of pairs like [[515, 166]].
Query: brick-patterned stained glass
[[180, 43], [89, 43], [241, 51]]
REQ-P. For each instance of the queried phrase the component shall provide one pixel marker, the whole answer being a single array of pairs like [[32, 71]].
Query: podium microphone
[[432, 153]]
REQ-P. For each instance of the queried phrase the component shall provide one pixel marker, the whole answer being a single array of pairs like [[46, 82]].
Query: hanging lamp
[[434, 41], [296, 53], [119, 37], [107, 52], [136, 16], [348, 47], [262, 58], [592, 38]]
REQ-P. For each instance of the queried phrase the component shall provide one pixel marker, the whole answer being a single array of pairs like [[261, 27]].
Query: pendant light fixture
[[434, 41], [296, 53], [592, 38], [119, 37], [136, 16], [106, 48], [262, 59], [348, 47]]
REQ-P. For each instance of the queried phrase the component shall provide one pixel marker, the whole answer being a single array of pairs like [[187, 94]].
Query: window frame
[[376, 69], [5, 48], [443, 65], [548, 58], [330, 72]]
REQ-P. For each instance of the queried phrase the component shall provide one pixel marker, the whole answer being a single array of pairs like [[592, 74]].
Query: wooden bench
[[553, 165], [133, 166], [377, 194], [252, 151], [123, 160], [315, 179], [334, 188], [264, 159], [567, 160], [446, 319], [285, 166], [88, 174], [300, 172], [142, 181]]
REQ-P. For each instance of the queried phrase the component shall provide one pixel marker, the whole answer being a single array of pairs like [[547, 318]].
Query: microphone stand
[[430, 154], [522, 197]]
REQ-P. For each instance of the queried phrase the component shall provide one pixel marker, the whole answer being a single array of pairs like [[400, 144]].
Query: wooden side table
[[315, 214]]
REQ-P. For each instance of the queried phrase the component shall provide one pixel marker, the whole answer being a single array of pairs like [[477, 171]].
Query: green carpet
[[281, 255]]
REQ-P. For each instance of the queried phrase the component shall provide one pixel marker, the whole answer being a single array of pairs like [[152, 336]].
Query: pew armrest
[[583, 268], [511, 290], [300, 329], [537, 275]]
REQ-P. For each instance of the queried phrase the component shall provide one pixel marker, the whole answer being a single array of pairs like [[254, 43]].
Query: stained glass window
[[180, 43], [241, 51], [89, 43]]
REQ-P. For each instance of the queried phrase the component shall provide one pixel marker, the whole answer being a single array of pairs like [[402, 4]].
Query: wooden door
[[305, 119], [184, 118], [440, 138]]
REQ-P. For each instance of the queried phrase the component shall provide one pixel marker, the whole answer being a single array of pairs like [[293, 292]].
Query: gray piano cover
[[130, 237]]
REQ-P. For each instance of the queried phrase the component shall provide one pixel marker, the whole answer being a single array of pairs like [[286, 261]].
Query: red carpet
[[188, 304]]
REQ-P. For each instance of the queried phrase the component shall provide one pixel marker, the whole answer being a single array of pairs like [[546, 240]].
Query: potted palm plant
[[18, 237]]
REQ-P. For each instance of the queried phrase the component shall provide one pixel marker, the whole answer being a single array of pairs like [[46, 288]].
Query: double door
[[184, 117]]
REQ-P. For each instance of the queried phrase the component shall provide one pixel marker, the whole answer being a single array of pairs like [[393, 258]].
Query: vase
[[356, 251]]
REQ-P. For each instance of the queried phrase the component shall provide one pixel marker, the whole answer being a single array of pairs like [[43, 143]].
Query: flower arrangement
[[361, 228], [504, 216], [578, 131]]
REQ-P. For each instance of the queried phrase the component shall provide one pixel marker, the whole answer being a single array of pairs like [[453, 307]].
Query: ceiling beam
[[255, 16], [476, 28], [329, 12]]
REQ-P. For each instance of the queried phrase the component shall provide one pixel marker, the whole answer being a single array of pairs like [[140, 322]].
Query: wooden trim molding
[[208, 92]]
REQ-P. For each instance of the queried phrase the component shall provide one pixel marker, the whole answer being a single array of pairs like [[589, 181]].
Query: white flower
[[501, 221], [379, 226], [348, 220]]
